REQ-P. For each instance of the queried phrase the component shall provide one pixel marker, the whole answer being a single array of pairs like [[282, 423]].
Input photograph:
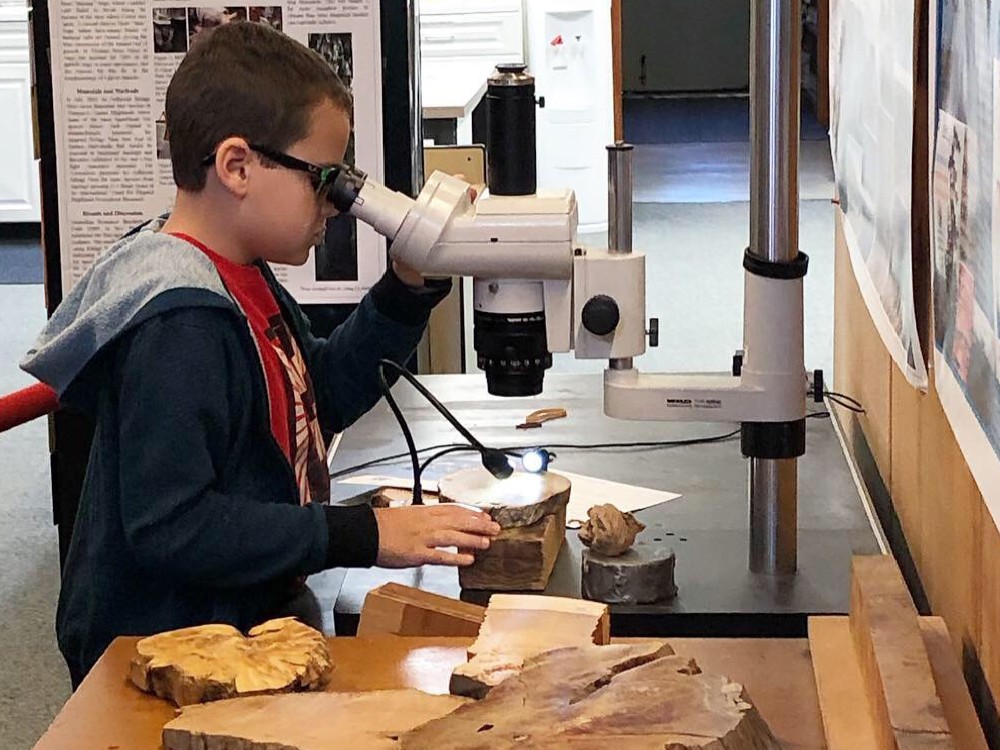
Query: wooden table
[[108, 713]]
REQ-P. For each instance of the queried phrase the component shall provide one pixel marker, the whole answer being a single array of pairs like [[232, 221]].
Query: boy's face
[[285, 218]]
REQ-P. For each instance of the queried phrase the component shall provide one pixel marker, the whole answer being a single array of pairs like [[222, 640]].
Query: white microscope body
[[523, 254]]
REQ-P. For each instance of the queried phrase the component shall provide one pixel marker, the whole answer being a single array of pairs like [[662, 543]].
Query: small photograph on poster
[[269, 14], [337, 256], [162, 144], [951, 216], [170, 34], [203, 19]]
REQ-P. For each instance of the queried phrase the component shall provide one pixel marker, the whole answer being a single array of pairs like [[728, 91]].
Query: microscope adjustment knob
[[601, 315]]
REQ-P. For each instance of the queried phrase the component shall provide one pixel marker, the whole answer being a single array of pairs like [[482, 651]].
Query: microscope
[[536, 291]]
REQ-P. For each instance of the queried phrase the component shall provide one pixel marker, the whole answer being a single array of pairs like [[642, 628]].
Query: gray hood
[[115, 295]]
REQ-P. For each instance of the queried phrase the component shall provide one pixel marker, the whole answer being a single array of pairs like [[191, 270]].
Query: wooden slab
[[315, 721], [403, 610], [211, 662], [520, 558], [520, 500], [591, 697], [847, 720], [959, 711], [897, 673], [518, 627]]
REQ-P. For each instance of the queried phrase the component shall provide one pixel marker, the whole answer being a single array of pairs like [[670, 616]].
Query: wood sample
[[520, 500], [643, 575], [403, 610], [517, 627], [847, 719], [211, 662], [589, 698], [520, 558], [608, 531], [897, 673], [959, 711], [311, 721]]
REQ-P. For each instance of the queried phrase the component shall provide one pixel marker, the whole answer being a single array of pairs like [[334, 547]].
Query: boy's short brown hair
[[243, 79]]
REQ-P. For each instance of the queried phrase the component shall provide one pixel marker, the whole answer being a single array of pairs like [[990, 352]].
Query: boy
[[206, 490]]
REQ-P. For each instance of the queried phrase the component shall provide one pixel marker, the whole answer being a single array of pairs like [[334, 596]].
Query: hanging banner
[[111, 64], [966, 215], [871, 121]]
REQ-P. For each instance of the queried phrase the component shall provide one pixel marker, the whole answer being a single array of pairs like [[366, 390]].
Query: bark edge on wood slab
[[213, 662], [594, 697], [311, 721], [519, 627], [520, 500]]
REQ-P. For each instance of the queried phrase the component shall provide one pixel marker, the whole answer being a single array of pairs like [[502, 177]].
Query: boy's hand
[[411, 535]]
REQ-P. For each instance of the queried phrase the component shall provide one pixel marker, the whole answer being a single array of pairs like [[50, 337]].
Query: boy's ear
[[232, 165]]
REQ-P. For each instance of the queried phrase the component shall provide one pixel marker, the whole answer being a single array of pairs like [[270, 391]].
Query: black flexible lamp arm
[[494, 460], [435, 403]]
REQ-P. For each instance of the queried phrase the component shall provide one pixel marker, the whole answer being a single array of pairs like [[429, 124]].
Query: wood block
[[315, 721], [959, 710], [211, 662], [643, 575], [847, 720], [519, 558], [897, 673], [520, 500], [518, 627], [403, 610], [590, 698]]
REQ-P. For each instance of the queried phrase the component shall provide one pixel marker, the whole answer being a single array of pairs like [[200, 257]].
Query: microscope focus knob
[[601, 315]]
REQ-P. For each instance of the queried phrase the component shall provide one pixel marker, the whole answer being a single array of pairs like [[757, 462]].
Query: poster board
[[966, 234], [111, 64], [871, 120]]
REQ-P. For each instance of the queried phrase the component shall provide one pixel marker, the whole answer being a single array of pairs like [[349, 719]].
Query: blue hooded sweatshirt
[[190, 511]]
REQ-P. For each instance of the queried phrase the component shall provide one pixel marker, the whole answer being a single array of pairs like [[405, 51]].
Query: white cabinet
[[19, 195]]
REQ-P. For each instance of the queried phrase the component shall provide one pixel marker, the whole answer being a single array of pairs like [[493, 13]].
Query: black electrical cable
[[418, 497], [392, 457], [840, 399], [517, 449]]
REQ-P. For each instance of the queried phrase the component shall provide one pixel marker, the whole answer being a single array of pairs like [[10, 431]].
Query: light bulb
[[536, 461]]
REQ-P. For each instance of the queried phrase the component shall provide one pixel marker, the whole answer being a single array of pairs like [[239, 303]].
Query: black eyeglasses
[[322, 178]]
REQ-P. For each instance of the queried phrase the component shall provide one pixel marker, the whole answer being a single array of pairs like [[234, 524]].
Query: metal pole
[[620, 186], [776, 43]]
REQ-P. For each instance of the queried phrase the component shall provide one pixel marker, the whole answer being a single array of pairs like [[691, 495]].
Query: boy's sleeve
[[177, 419], [387, 324]]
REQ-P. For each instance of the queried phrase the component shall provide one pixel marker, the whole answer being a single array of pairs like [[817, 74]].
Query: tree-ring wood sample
[[595, 697], [518, 627], [306, 721], [520, 500], [212, 662]]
